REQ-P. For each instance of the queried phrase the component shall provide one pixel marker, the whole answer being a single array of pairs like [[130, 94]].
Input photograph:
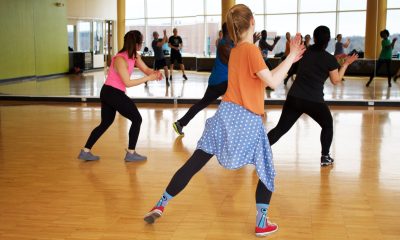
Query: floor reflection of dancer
[[236, 134], [113, 97], [217, 82], [307, 92]]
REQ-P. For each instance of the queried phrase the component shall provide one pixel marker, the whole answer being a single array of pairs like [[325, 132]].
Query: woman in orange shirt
[[236, 134]]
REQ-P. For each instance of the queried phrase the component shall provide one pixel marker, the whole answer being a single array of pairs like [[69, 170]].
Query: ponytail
[[238, 21]]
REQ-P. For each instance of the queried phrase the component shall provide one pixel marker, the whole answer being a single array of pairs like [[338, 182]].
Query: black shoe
[[326, 160], [184, 76], [170, 78], [395, 78], [178, 128], [269, 89], [367, 85], [343, 80]]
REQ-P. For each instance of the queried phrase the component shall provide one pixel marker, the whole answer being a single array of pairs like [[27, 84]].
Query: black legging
[[293, 108], [212, 93], [196, 162], [379, 64], [113, 100]]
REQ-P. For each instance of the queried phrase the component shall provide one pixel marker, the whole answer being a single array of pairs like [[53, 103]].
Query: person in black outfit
[[176, 44], [307, 92], [159, 58], [265, 47]]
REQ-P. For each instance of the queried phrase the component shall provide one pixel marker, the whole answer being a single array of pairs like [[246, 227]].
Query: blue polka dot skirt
[[238, 137]]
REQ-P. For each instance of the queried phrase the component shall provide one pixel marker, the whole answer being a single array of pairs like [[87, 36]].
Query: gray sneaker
[[134, 157], [87, 156]]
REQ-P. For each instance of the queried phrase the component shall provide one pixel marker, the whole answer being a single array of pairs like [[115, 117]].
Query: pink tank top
[[113, 78]]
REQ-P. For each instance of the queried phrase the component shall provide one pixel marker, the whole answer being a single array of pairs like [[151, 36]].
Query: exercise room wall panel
[[18, 48], [35, 42]]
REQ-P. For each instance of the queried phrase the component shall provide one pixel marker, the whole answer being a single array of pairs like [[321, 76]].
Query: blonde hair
[[238, 21]]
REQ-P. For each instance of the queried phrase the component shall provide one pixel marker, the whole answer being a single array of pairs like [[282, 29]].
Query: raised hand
[[297, 47], [349, 60], [256, 37]]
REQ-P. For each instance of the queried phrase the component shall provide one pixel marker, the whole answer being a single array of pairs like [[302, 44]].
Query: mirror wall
[[199, 25]]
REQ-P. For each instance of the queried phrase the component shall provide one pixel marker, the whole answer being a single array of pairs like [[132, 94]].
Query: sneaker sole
[[151, 217], [266, 234], [176, 130], [326, 164]]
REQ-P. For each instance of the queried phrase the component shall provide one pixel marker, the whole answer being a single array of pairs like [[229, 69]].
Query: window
[[213, 7], [213, 25], [392, 24], [281, 6], [198, 21], [191, 30], [84, 36], [393, 4], [134, 9], [317, 6], [346, 5], [256, 6], [71, 36], [98, 41], [181, 8], [352, 26], [157, 8]]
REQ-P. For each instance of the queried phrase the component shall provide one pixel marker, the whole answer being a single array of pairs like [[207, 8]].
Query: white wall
[[92, 9]]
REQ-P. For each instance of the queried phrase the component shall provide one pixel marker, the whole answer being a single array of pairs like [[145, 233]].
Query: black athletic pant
[[196, 162], [113, 100], [212, 93], [379, 64], [293, 108]]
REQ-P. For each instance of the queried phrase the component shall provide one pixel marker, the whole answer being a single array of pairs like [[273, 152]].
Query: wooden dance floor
[[47, 193]]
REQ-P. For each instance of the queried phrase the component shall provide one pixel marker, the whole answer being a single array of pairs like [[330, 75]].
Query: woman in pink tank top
[[113, 97]]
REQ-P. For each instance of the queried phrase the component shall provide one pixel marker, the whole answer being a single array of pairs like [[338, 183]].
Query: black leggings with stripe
[[195, 163]]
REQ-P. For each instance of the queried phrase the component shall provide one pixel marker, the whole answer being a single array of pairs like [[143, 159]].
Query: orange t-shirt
[[244, 87]]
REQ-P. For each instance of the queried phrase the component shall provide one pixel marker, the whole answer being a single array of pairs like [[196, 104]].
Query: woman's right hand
[[297, 47], [350, 59], [155, 75]]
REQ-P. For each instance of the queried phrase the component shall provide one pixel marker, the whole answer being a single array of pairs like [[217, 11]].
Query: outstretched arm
[[121, 67], [336, 75]]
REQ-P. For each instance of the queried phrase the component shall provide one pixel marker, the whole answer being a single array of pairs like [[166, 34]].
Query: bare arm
[[336, 75], [121, 67], [164, 40], [275, 77], [347, 43]]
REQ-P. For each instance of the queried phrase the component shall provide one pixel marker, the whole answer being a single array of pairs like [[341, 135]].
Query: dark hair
[[225, 29], [384, 31], [322, 36], [264, 34], [131, 38]]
